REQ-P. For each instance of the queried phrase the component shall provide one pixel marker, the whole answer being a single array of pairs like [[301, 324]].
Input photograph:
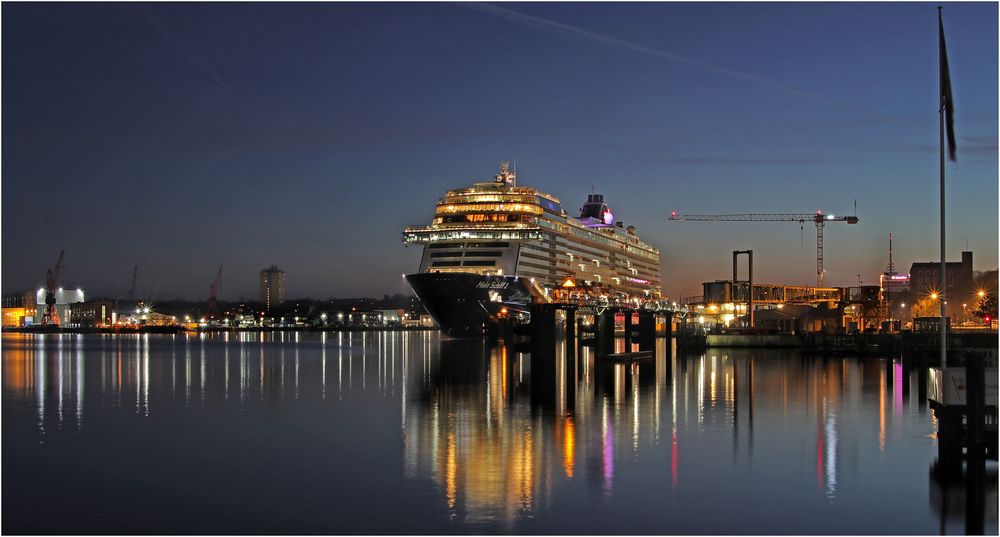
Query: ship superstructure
[[498, 236]]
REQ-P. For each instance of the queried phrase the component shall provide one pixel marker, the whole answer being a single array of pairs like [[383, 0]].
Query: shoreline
[[183, 330]]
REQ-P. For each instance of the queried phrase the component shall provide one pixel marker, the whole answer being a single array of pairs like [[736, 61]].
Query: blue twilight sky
[[180, 136]]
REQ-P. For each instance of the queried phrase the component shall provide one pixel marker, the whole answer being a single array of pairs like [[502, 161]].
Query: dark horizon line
[[236, 301]]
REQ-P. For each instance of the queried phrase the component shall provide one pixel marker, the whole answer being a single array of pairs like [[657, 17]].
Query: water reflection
[[505, 441], [470, 427], [140, 371]]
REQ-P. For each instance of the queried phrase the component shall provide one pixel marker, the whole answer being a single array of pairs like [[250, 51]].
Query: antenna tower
[[890, 269]]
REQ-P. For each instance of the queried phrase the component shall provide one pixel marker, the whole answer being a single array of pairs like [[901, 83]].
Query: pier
[[598, 323]]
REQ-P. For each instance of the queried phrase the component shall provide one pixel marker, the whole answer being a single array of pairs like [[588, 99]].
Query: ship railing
[[584, 299], [462, 225]]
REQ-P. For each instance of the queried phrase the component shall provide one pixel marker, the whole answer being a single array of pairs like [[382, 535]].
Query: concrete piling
[[647, 331], [627, 314], [606, 333]]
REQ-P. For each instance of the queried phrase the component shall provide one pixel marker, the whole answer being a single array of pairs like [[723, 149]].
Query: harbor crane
[[819, 218], [51, 315], [213, 307]]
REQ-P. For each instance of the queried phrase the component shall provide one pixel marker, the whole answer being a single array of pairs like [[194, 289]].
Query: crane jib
[[819, 218]]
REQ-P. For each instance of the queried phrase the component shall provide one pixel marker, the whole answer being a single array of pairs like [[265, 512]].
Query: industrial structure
[[30, 307], [51, 315], [729, 304], [897, 303], [895, 287], [790, 308], [819, 218]]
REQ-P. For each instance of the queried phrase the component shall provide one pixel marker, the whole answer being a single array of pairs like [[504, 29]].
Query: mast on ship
[[506, 177]]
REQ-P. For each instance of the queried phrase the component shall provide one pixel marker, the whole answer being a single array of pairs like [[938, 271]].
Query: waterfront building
[[153, 318], [795, 308], [895, 285], [415, 320], [365, 318], [925, 277], [94, 313], [925, 283], [272, 287], [391, 317], [19, 309], [34, 302]]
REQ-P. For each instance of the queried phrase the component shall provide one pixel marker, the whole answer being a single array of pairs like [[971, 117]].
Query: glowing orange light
[[569, 283], [569, 446], [503, 376], [451, 471]]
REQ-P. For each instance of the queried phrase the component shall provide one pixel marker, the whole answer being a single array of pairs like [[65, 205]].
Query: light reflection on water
[[413, 435]]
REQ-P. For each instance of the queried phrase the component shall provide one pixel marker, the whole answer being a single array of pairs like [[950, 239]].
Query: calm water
[[403, 433]]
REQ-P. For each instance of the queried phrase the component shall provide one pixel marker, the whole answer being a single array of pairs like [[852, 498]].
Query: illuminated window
[[486, 207], [479, 217]]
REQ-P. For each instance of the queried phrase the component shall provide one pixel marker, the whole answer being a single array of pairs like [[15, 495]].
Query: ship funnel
[[506, 176]]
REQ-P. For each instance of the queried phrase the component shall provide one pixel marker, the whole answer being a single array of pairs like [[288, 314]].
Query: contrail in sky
[[184, 46], [545, 24]]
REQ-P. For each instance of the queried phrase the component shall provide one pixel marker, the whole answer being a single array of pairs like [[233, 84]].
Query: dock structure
[[637, 320], [623, 331], [964, 401], [582, 314]]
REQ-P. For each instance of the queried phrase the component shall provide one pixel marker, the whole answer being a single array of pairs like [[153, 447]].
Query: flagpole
[[941, 111]]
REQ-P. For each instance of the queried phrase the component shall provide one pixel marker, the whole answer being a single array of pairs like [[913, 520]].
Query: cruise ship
[[495, 247]]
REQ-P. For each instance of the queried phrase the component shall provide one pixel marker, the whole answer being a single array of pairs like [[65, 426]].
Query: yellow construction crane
[[819, 218]]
